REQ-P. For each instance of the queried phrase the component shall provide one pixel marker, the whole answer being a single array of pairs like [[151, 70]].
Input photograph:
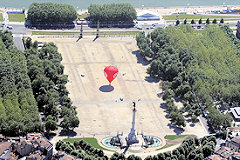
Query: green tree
[[192, 22], [50, 124], [194, 118], [177, 22], [28, 43], [117, 13], [35, 44], [222, 20], [53, 13], [168, 94], [185, 21], [207, 21], [69, 123], [214, 21]]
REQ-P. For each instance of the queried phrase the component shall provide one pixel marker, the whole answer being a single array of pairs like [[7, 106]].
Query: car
[[152, 27], [9, 27], [140, 28]]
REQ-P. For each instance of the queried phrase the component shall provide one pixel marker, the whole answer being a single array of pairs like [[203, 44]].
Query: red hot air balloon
[[110, 73]]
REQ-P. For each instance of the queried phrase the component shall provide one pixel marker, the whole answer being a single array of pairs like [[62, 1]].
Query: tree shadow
[[80, 37], [178, 99], [106, 88], [151, 79], [125, 150], [50, 135], [163, 106], [69, 133], [140, 59], [95, 38], [159, 95], [176, 129], [192, 125]]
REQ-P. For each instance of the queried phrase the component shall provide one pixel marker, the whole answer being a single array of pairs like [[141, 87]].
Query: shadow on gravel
[[68, 133], [106, 88], [140, 58], [151, 79]]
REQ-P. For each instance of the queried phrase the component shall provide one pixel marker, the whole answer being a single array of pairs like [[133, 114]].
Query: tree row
[[48, 83], [18, 109]]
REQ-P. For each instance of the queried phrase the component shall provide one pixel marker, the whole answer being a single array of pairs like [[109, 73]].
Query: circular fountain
[[137, 142]]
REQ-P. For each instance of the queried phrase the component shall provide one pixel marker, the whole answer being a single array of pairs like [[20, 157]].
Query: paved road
[[18, 42]]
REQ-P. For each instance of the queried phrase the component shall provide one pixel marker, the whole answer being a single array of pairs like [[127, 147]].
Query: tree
[[197, 141], [50, 124], [168, 94], [35, 44], [214, 21], [207, 150], [192, 22], [185, 21], [121, 13], [181, 157], [59, 145], [28, 43], [207, 21], [200, 21], [194, 118], [161, 156], [53, 13], [69, 122], [177, 22], [222, 20], [180, 121]]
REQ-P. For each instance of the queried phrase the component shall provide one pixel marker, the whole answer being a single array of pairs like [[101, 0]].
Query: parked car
[[9, 27]]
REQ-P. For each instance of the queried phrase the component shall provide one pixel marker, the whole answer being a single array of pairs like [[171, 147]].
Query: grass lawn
[[85, 33], [83, 16], [165, 146], [193, 16], [1, 17], [172, 137], [16, 17], [92, 141]]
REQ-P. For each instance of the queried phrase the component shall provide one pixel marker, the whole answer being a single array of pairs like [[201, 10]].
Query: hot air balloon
[[110, 73]]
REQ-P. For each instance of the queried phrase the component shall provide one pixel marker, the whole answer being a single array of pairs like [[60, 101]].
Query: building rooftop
[[67, 157], [236, 112], [4, 146], [215, 157], [223, 153], [236, 139], [32, 136], [35, 156], [147, 15], [233, 129], [43, 143]]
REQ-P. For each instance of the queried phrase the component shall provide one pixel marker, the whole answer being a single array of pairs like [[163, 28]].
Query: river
[[83, 4]]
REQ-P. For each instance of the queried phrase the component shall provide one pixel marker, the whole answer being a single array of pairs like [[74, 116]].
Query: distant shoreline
[[170, 10], [160, 10]]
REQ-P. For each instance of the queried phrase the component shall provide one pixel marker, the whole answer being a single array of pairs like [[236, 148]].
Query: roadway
[[19, 29]]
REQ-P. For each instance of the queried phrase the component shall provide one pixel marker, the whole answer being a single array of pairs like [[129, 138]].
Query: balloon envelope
[[110, 73]]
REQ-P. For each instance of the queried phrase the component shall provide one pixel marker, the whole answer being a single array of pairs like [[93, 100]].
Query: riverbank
[[171, 10], [162, 10]]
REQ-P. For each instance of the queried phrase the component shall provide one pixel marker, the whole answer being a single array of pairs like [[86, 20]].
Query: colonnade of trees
[[197, 66]]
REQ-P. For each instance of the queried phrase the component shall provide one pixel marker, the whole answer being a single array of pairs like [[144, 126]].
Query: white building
[[148, 16]]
